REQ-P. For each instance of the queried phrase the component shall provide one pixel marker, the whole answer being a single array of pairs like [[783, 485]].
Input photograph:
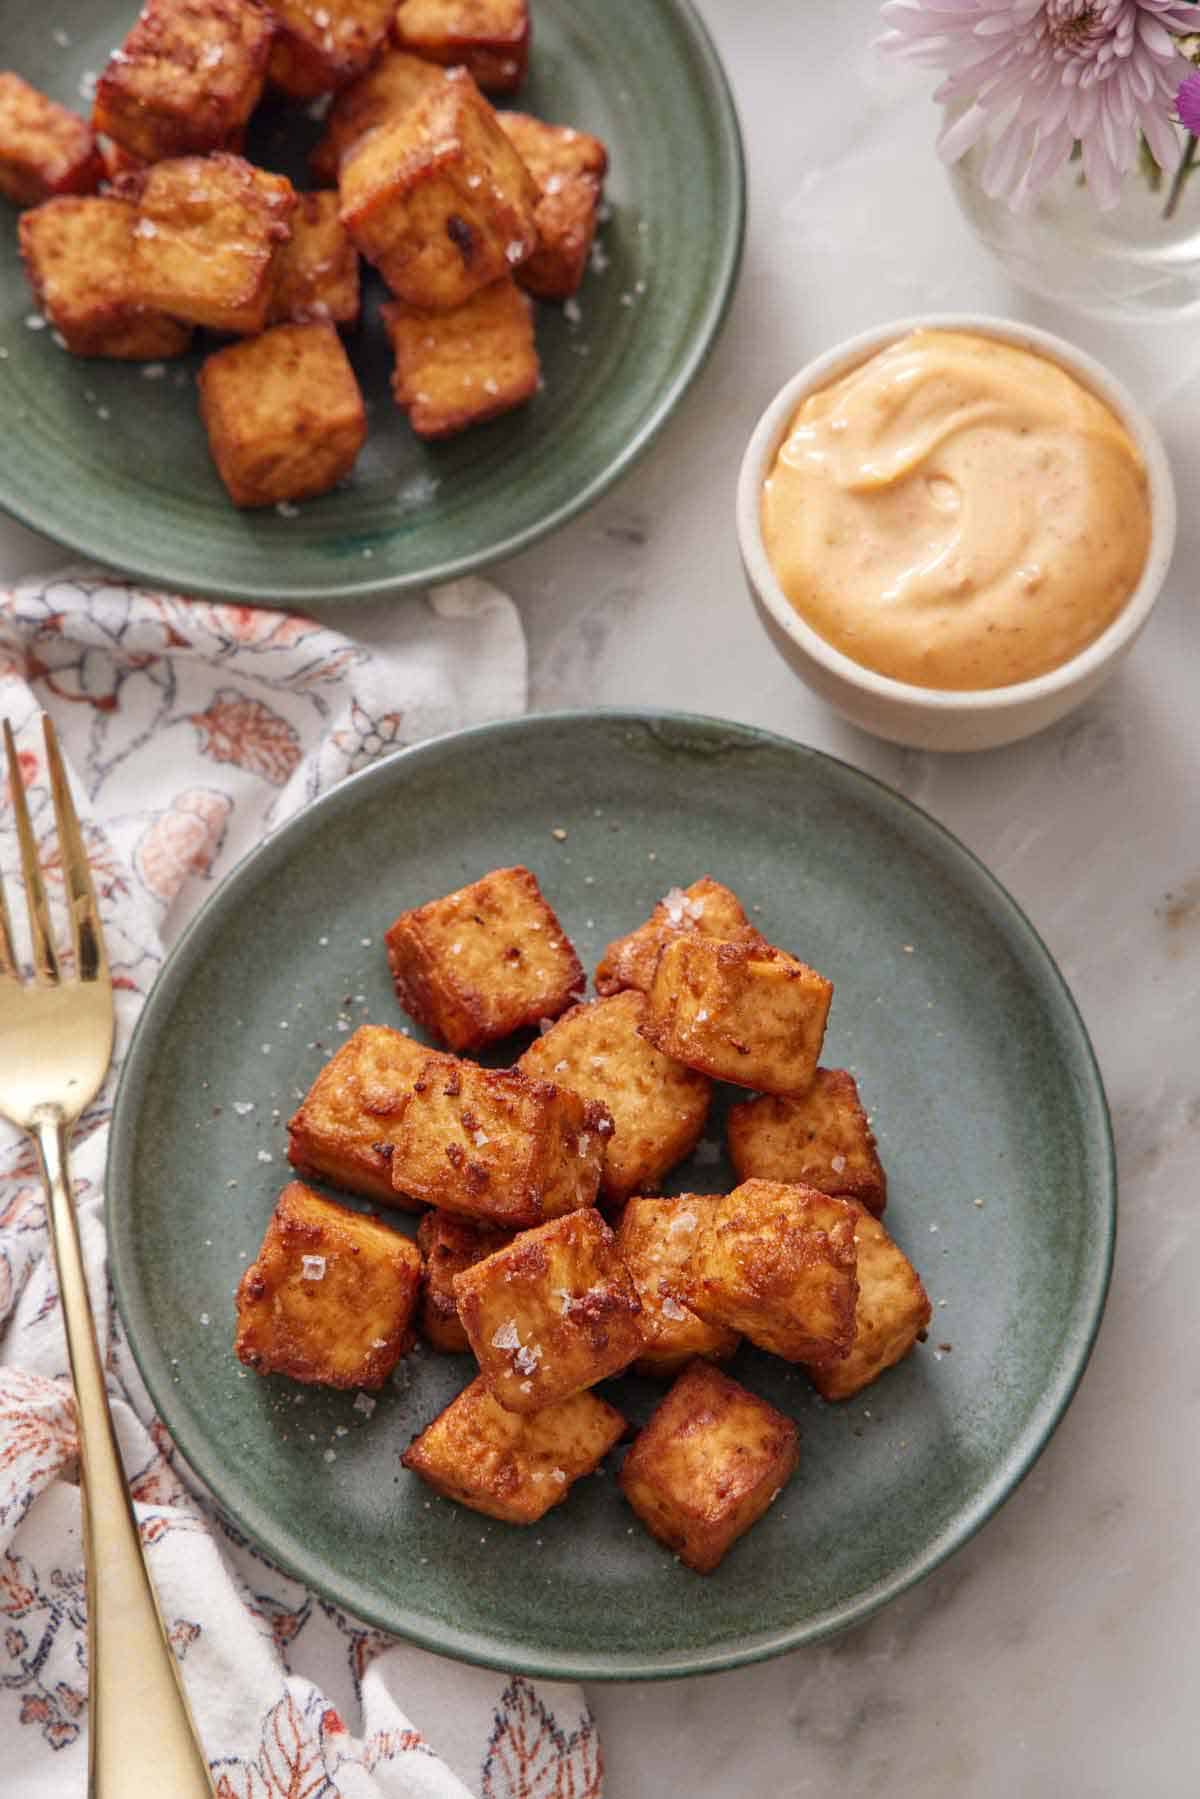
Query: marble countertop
[[1056, 1653]]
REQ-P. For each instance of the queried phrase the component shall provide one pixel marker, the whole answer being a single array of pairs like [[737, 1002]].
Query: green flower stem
[[1186, 164]]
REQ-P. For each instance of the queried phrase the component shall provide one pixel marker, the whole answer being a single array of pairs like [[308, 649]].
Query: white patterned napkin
[[192, 729]]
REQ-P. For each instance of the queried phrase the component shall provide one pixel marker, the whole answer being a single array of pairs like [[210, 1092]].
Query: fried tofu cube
[[658, 1106], [438, 199], [388, 88], [569, 168], [708, 1465], [892, 1313], [343, 1130], [320, 45], [489, 37], [284, 415], [739, 1011], [655, 1239], [206, 238], [77, 255], [330, 1296], [482, 962], [495, 1145], [777, 1263], [509, 1467], [821, 1138], [706, 908], [186, 79], [316, 273], [554, 1312], [449, 1243], [460, 368], [45, 149]]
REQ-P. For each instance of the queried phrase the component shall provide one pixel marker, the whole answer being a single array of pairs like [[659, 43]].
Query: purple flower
[[1187, 104], [1050, 74]]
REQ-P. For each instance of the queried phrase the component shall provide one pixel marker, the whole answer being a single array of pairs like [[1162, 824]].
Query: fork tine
[[91, 962], [45, 961]]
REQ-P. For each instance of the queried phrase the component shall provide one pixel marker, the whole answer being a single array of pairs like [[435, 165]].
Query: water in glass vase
[[1133, 261]]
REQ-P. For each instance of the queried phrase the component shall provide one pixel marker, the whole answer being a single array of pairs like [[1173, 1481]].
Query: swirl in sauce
[[957, 513]]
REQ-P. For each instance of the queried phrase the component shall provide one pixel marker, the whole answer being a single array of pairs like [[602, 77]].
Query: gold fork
[[55, 1046]]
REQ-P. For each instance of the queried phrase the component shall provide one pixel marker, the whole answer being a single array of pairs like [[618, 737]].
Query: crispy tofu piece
[[495, 1145], [389, 87], [777, 1263], [509, 1467], [284, 415], [893, 1313], [708, 1464], [316, 273], [569, 167], [330, 1296], [489, 37], [186, 79], [655, 1239], [456, 369], [45, 149], [206, 238], [739, 1011], [449, 1243], [77, 255], [482, 962], [320, 45], [705, 908], [821, 1138], [438, 199], [658, 1106], [553, 1313], [343, 1130]]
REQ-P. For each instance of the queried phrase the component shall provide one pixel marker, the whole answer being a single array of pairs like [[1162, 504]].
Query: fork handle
[[142, 1742]]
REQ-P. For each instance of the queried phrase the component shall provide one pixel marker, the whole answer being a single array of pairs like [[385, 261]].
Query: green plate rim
[[722, 117], [473, 1646]]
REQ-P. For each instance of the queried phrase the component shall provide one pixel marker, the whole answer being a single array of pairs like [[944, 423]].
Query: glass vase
[[1130, 262]]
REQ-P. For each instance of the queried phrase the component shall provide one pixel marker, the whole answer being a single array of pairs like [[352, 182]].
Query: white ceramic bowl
[[927, 717]]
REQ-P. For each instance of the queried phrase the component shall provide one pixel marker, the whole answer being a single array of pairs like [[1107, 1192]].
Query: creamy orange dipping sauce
[[957, 512]]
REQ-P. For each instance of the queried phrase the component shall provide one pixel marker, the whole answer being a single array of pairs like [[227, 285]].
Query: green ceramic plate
[[970, 1053], [115, 464]]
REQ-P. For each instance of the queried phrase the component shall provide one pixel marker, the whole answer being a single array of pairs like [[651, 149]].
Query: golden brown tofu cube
[[455, 369], [45, 149], [656, 1238], [821, 1138], [892, 1313], [658, 1106], [330, 1296], [569, 168], [206, 238], [284, 415], [438, 199], [739, 1011], [495, 1145], [706, 908], [777, 1263], [77, 256], [320, 45], [316, 273], [553, 1313], [707, 1465], [488, 37], [388, 88], [186, 79], [449, 1243], [509, 1467], [484, 961], [344, 1128]]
